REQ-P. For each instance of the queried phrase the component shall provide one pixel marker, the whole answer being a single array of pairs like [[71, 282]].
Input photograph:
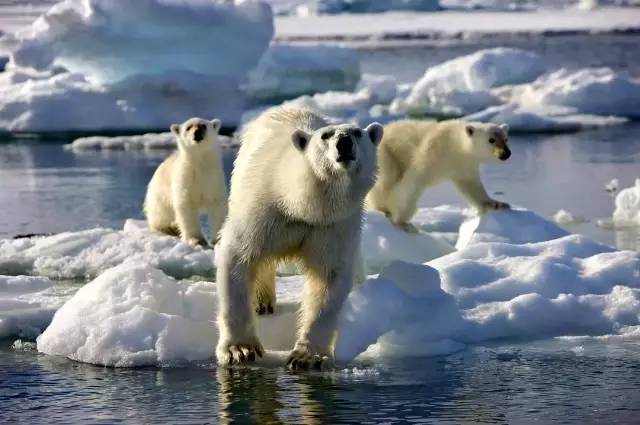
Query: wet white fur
[[291, 199], [189, 182], [415, 155]]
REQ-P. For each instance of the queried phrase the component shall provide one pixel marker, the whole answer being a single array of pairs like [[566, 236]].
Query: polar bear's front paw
[[237, 354], [495, 205], [200, 241], [407, 227], [303, 359]]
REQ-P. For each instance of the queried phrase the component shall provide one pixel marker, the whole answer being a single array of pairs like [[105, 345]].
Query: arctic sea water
[[46, 189]]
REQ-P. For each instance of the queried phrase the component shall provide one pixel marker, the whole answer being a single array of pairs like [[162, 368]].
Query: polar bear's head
[[196, 134], [340, 149], [489, 141]]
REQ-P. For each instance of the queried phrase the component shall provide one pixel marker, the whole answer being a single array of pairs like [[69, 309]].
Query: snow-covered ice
[[452, 23], [513, 226], [134, 314], [382, 243], [627, 211], [88, 65], [286, 71], [597, 91], [109, 43], [145, 141], [316, 7], [87, 253], [27, 304], [461, 86], [547, 119], [564, 217]]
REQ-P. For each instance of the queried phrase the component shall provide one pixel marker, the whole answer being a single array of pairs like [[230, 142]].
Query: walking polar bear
[[297, 192], [188, 182], [415, 155]]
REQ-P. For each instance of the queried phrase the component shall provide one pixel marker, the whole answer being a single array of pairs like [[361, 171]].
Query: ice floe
[[287, 71], [147, 141], [87, 253], [627, 211], [462, 85], [95, 65], [597, 91], [532, 120], [27, 304]]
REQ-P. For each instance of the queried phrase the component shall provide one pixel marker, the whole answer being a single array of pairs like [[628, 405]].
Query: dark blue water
[[546, 382]]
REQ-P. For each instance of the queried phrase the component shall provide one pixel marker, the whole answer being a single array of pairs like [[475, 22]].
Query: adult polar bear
[[415, 155], [297, 192]]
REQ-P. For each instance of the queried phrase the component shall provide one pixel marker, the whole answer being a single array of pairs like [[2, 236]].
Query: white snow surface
[[27, 305], [317, 7], [627, 211], [93, 64], [135, 315], [461, 86], [109, 43], [287, 71], [515, 226], [597, 91], [87, 253], [542, 119]]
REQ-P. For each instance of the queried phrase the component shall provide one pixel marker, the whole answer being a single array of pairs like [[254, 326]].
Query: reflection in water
[[510, 383]]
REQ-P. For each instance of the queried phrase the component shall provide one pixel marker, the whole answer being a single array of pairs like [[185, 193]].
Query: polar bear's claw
[[496, 205], [239, 354], [263, 309], [303, 360], [407, 227]]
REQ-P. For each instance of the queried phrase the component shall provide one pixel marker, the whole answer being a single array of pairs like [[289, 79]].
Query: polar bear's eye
[[492, 140], [357, 133], [327, 134]]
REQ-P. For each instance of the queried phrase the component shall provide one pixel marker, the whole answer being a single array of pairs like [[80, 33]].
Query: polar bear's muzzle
[[504, 154], [345, 149], [199, 132]]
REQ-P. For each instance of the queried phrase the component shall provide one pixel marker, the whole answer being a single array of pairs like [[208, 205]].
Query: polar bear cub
[[297, 192], [189, 182], [415, 155]]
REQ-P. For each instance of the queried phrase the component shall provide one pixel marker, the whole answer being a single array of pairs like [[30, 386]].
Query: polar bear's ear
[[504, 127], [375, 131], [469, 129], [175, 129], [300, 139], [216, 123]]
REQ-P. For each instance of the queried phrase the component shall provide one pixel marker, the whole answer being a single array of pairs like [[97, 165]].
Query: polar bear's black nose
[[345, 148], [199, 132], [505, 154]]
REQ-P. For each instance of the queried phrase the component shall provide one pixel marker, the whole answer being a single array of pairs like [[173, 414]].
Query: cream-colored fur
[[415, 155], [189, 182], [297, 192]]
